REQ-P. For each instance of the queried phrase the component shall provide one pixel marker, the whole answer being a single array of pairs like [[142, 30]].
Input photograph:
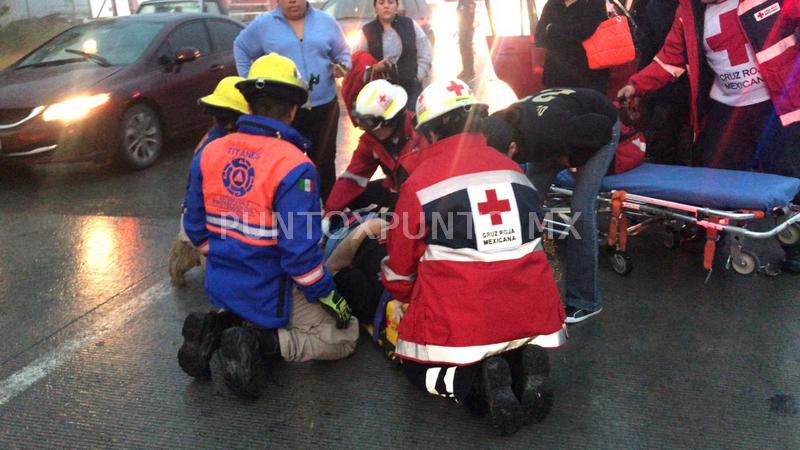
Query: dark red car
[[114, 88]]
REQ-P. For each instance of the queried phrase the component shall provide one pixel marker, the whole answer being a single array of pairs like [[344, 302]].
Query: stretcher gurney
[[718, 201]]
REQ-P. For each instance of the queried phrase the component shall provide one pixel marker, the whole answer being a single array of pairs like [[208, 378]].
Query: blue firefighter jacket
[[253, 205]]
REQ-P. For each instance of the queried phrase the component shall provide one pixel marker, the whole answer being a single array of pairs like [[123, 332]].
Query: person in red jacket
[[388, 136], [741, 57], [465, 255]]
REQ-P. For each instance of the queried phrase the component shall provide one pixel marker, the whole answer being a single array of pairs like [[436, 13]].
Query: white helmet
[[378, 102], [441, 97]]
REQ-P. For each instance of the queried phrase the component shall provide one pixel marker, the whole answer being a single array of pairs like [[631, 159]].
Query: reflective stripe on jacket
[[771, 28], [466, 255], [368, 156]]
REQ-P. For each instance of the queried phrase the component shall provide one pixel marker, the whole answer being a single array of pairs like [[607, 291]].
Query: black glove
[[335, 305]]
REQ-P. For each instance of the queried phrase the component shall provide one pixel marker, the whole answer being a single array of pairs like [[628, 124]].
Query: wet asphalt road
[[90, 327]]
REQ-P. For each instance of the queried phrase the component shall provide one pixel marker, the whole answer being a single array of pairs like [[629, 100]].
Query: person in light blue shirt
[[315, 42]]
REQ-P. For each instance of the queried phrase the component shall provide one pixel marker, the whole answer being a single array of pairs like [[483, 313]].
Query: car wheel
[[141, 137]]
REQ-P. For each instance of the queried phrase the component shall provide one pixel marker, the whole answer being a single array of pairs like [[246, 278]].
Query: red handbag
[[612, 43]]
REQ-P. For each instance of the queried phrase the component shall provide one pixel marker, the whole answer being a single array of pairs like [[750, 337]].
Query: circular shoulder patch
[[238, 177]]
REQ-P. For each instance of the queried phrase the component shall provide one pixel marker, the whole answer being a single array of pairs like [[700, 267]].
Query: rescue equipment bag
[[630, 152]]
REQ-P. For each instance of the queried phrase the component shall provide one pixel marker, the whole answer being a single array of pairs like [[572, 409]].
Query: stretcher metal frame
[[631, 214]]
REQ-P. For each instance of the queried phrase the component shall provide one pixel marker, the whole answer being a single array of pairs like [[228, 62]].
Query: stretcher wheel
[[620, 262], [790, 236], [747, 263]]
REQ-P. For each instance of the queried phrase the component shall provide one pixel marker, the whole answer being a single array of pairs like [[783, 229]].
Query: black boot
[[504, 409], [201, 337], [468, 390], [240, 354], [268, 343], [530, 369]]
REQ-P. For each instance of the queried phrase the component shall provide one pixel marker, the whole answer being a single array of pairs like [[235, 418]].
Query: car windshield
[[363, 9], [170, 7], [347, 9], [118, 43]]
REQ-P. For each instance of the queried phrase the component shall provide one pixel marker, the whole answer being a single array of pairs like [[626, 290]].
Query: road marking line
[[26, 377]]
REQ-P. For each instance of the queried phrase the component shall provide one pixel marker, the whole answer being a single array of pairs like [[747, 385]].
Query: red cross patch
[[730, 39], [383, 100], [494, 207], [456, 88]]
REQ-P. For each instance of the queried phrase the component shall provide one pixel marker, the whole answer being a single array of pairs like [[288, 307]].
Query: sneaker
[[791, 266], [240, 355], [201, 337], [504, 408], [792, 262], [531, 382], [575, 315]]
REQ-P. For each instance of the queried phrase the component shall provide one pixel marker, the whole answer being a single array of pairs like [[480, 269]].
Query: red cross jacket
[[770, 26], [465, 252], [370, 154]]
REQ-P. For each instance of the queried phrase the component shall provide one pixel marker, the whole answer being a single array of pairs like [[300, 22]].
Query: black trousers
[[374, 194], [360, 283], [320, 124], [463, 383], [466, 31], [742, 138], [668, 132], [460, 382]]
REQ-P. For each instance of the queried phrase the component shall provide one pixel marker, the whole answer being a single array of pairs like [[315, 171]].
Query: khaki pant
[[182, 236], [312, 333]]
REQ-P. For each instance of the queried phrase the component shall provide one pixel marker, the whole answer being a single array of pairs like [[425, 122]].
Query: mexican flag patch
[[305, 185]]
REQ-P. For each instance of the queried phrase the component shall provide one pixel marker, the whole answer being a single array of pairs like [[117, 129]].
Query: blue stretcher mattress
[[700, 186]]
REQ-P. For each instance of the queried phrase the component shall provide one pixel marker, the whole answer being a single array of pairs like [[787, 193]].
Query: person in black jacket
[[563, 27], [401, 47], [666, 111], [552, 130]]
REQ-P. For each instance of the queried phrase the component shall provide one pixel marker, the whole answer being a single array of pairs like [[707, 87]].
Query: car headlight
[[74, 108], [353, 38]]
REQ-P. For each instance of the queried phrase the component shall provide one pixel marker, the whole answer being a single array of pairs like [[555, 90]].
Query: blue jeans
[[583, 290]]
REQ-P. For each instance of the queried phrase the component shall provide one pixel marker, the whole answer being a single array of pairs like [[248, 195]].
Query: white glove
[[326, 227], [399, 311]]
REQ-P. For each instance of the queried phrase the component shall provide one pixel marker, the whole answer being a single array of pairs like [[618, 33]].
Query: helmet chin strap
[[395, 141]]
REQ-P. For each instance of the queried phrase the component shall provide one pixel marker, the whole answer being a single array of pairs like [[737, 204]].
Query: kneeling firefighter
[[224, 105], [465, 255], [253, 205]]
